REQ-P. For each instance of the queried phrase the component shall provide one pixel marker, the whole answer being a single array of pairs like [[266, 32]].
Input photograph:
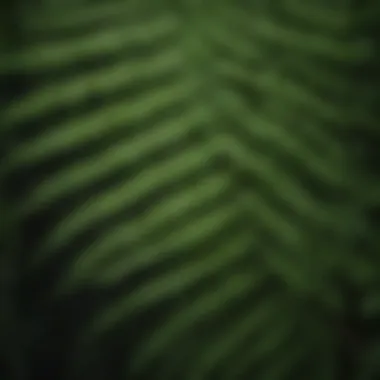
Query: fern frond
[[192, 156]]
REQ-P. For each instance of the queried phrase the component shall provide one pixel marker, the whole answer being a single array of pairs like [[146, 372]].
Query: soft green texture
[[206, 159]]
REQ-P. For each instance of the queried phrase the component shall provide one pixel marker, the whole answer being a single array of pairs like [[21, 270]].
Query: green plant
[[188, 191]]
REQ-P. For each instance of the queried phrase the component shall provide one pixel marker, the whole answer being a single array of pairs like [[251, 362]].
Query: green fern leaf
[[192, 155]]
